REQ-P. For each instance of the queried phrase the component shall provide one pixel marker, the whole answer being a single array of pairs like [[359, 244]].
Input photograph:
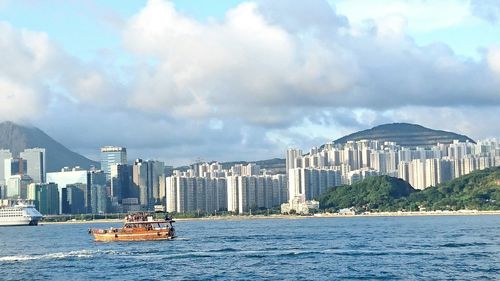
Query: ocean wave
[[459, 245], [182, 239], [223, 250], [51, 256]]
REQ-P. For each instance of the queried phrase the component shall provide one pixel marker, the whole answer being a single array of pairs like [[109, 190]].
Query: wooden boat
[[137, 228]]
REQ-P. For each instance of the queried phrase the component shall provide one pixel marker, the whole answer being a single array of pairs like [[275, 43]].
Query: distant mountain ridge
[[275, 164], [16, 138], [405, 134]]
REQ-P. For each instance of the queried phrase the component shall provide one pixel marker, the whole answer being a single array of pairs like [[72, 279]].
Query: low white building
[[300, 206]]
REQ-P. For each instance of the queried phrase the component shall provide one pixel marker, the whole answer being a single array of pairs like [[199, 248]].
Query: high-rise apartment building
[[309, 183]]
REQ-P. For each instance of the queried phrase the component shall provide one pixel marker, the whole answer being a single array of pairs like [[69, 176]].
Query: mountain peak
[[16, 138], [405, 134]]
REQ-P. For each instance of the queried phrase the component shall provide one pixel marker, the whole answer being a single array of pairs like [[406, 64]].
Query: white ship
[[19, 213]]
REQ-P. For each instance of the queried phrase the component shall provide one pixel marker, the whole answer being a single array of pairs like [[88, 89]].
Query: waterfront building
[[280, 190], [45, 196], [73, 199], [220, 186], [309, 183], [98, 194], [292, 155], [232, 193], [188, 194], [121, 179], [299, 206], [171, 188], [70, 177], [246, 194], [35, 158]]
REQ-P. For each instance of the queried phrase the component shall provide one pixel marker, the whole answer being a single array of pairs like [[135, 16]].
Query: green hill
[[405, 134], [373, 193], [478, 190]]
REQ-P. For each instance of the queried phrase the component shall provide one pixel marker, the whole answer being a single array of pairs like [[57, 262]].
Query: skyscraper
[[45, 196], [14, 166], [72, 177], [4, 154], [35, 158], [17, 186], [98, 194], [112, 155], [73, 199], [142, 187], [121, 178], [157, 170]]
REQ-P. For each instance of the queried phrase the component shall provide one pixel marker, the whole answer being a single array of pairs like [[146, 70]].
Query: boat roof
[[156, 221]]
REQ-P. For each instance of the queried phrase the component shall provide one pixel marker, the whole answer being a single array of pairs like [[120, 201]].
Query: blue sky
[[229, 80], [84, 27]]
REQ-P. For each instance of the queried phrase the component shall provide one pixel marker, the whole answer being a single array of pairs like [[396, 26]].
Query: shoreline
[[320, 215]]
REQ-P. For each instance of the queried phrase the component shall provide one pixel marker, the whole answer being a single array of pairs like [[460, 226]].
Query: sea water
[[385, 248]]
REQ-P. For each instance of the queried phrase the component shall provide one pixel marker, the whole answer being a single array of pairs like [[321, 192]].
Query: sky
[[182, 81]]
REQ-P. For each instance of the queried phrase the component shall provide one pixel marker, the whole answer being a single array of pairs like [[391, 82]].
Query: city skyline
[[273, 75], [241, 188]]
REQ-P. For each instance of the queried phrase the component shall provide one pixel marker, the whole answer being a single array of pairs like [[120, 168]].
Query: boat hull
[[133, 236], [22, 221]]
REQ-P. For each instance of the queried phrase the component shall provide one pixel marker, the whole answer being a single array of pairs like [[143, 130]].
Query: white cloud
[[266, 76], [488, 10], [254, 62], [493, 58], [28, 60], [18, 102], [420, 15], [229, 66], [477, 123]]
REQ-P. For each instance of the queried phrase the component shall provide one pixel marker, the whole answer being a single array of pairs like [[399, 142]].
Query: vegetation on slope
[[479, 190], [374, 193]]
